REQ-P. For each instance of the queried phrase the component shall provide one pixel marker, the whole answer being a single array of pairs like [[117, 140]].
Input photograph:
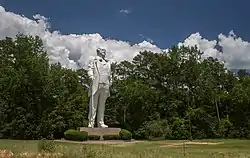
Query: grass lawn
[[148, 149]]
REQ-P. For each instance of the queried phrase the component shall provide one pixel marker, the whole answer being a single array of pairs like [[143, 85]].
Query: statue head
[[101, 52]]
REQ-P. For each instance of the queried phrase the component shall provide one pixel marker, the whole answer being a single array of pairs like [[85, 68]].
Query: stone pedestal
[[100, 131]]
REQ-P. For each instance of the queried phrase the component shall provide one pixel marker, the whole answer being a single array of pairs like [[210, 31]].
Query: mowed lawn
[[146, 149]]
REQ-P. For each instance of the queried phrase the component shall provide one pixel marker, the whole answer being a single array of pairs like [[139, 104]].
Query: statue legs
[[97, 102], [92, 110]]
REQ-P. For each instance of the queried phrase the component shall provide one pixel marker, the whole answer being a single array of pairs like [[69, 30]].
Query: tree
[[174, 95], [34, 93]]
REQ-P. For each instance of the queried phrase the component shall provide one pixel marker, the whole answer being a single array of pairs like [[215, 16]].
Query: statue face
[[101, 52]]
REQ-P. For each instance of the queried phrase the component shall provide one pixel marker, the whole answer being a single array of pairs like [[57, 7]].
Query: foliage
[[37, 99], [111, 137], [125, 134], [176, 95], [163, 129], [94, 137], [179, 129], [225, 129], [154, 130], [75, 135], [46, 146]]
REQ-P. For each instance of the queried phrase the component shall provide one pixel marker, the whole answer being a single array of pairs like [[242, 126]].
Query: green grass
[[148, 149]]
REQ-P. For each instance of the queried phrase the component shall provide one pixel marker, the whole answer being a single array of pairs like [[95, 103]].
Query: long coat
[[93, 71]]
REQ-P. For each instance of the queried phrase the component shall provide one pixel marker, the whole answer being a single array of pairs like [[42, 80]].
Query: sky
[[80, 26]]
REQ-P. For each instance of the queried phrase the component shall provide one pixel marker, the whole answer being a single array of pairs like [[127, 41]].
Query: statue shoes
[[91, 125], [102, 126]]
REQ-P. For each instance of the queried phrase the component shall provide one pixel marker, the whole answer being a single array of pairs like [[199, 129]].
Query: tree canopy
[[174, 95]]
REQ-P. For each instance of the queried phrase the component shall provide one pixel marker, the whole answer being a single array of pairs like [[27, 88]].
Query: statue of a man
[[99, 71]]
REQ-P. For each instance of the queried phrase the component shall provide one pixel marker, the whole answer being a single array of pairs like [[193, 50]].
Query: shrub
[[46, 145], [125, 134], [225, 128], [179, 129], [94, 137], [111, 137], [154, 130], [75, 135], [156, 138]]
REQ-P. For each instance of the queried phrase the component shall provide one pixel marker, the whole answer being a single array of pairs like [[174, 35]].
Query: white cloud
[[147, 38], [72, 49], [68, 49], [125, 11], [206, 46], [236, 52]]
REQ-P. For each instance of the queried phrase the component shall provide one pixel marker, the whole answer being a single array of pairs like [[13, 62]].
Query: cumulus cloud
[[73, 51], [234, 52], [206, 46], [125, 11], [147, 38]]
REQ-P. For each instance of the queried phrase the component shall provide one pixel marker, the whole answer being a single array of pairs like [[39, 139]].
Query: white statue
[[99, 71]]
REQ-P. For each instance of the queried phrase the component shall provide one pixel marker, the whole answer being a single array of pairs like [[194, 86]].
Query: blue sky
[[167, 22]]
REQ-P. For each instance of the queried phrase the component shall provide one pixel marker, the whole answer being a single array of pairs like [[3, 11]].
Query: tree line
[[174, 95]]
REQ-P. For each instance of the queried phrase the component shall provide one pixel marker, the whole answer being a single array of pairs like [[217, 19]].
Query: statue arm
[[110, 74], [91, 69]]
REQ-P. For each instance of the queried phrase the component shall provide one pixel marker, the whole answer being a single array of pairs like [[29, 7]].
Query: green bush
[[225, 128], [179, 128], [111, 137], [125, 134], [46, 145], [154, 130], [75, 135], [156, 138], [94, 137]]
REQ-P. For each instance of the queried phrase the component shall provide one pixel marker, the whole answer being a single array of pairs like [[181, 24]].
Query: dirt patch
[[40, 155], [9, 154], [6, 154], [122, 145], [190, 143], [207, 143]]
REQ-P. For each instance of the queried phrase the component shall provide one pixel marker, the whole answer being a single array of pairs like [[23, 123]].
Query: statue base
[[100, 131]]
